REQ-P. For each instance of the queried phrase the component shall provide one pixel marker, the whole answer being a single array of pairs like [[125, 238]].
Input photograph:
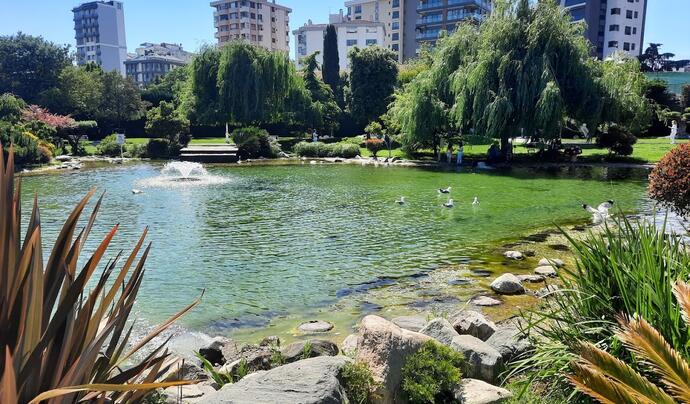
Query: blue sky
[[190, 22]]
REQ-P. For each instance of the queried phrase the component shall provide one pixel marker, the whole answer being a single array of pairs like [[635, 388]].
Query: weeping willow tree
[[532, 69], [245, 85], [423, 107], [325, 112]]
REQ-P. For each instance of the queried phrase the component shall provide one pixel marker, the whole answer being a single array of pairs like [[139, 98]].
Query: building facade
[[152, 61], [259, 22], [436, 16], [398, 17], [360, 33], [99, 28], [612, 25]]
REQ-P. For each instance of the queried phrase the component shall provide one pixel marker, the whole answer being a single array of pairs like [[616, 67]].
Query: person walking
[[674, 131], [314, 136], [449, 154], [461, 152]]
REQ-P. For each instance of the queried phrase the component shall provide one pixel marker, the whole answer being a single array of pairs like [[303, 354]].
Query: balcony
[[428, 36], [430, 5], [483, 4], [430, 19]]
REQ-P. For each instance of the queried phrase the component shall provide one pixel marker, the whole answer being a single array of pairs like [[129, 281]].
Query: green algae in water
[[291, 241]]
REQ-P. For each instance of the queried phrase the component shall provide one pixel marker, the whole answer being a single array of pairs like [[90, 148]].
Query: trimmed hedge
[[319, 149]]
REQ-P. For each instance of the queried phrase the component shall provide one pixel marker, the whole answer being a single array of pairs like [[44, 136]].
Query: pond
[[274, 244]]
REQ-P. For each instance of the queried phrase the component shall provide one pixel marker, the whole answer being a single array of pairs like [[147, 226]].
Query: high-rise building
[[309, 37], [399, 18], [259, 22], [612, 25], [152, 61], [436, 16], [99, 28]]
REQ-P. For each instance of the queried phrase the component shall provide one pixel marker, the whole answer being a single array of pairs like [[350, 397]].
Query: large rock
[[531, 278], [311, 381], [485, 301], [509, 341], [349, 345], [220, 350], [547, 291], [195, 393], [384, 347], [546, 270], [473, 391], [315, 326], [551, 262], [412, 323], [470, 322], [514, 255], [256, 358], [308, 349], [441, 330], [507, 284], [482, 361]]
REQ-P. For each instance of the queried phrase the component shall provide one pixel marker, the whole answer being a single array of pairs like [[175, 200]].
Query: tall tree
[[325, 110], [121, 101], [30, 65], [201, 102], [653, 60], [169, 88], [373, 77], [331, 59], [78, 93]]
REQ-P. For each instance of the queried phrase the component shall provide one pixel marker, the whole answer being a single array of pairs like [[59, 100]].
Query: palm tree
[[608, 379]]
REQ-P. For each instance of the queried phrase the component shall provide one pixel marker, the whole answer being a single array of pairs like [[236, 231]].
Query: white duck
[[401, 201], [137, 191], [444, 190], [475, 202], [601, 213], [449, 204]]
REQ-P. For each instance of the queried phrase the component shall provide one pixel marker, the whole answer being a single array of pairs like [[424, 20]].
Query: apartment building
[[351, 33], [612, 25], [398, 17], [99, 28], [436, 16], [152, 61], [260, 22]]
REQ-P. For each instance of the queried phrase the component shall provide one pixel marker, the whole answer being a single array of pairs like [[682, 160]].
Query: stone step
[[209, 158], [209, 150]]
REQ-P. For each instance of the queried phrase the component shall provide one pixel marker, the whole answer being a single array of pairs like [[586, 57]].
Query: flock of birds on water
[[599, 214]]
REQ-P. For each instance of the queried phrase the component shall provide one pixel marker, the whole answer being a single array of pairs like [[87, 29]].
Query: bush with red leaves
[[375, 145], [669, 182]]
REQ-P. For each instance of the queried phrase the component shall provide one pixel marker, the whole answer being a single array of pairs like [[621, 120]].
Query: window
[[396, 3], [632, 46], [615, 11], [636, 14], [626, 46], [628, 30], [351, 42], [629, 14], [614, 27], [371, 42], [396, 25], [613, 44], [634, 30], [358, 8], [396, 36], [395, 47], [396, 14]]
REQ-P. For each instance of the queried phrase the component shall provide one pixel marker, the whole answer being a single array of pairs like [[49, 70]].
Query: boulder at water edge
[[349, 345], [310, 381], [513, 255], [551, 262], [315, 326], [220, 350], [473, 323], [485, 301], [547, 270], [384, 347], [412, 323], [308, 349], [507, 284], [509, 341], [481, 360], [195, 393], [473, 391], [531, 278]]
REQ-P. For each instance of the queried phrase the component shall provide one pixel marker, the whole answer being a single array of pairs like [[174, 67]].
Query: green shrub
[[158, 148], [432, 374], [254, 142], [358, 381], [135, 150], [627, 269], [618, 140], [108, 147], [319, 149]]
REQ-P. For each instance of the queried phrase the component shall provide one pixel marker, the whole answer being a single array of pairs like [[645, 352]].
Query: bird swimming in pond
[[401, 201], [137, 191], [449, 204], [601, 213], [444, 190], [475, 202]]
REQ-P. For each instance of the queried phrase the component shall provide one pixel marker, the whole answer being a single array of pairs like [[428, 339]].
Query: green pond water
[[675, 80], [272, 245]]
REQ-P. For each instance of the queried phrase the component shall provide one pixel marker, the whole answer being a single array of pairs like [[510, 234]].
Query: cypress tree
[[331, 60]]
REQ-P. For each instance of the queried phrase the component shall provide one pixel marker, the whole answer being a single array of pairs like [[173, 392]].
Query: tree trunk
[[506, 148]]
